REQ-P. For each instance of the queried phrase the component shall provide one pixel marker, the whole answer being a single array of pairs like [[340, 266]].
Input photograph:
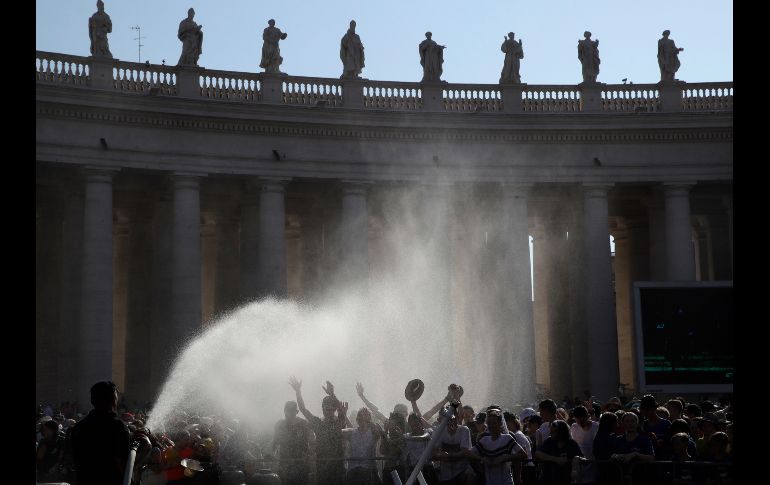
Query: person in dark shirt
[[557, 452], [100, 442], [292, 440], [330, 469]]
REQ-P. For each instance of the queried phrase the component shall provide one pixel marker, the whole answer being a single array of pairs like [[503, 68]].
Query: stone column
[[186, 258], [540, 307], [623, 296], [249, 276], [517, 296], [575, 268], [228, 263], [435, 217], [680, 260], [354, 269], [139, 334], [161, 334], [558, 323], [95, 329], [272, 237], [638, 270], [47, 299], [599, 302], [71, 272], [657, 236], [209, 274], [720, 243], [120, 265]]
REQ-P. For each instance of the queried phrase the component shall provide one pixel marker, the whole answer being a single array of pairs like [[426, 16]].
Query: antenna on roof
[[139, 40]]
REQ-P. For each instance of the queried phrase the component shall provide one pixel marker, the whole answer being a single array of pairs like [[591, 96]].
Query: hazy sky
[[628, 32]]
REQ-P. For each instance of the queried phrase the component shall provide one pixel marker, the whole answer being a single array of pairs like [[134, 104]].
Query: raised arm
[[297, 386], [376, 412]]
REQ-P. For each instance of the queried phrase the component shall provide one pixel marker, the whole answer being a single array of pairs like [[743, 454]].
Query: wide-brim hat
[[414, 390]]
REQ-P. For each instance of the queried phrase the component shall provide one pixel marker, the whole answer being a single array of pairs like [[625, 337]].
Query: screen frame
[[638, 336]]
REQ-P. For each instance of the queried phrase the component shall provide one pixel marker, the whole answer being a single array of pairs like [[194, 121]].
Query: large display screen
[[684, 336]]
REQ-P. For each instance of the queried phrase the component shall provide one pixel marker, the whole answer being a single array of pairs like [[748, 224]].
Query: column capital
[[190, 180], [273, 184], [93, 173], [354, 187], [677, 188], [592, 189]]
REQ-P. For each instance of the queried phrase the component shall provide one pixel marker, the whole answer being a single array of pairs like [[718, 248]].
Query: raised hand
[[329, 389], [342, 409], [360, 390], [295, 384]]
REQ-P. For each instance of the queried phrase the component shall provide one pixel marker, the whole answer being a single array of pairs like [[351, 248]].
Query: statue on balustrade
[[191, 36], [99, 25], [588, 53], [513, 53], [351, 53], [271, 53], [431, 59], [668, 57]]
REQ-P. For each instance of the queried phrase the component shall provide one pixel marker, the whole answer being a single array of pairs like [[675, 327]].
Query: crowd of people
[[580, 441]]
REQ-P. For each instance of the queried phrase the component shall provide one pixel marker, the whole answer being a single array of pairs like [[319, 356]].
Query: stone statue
[[271, 54], [99, 25], [513, 53], [588, 53], [351, 53], [192, 40], [668, 57], [431, 59]]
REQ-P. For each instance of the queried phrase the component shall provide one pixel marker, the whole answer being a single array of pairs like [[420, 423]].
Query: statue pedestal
[[272, 87], [100, 72], [512, 97], [591, 97], [188, 81], [353, 93], [671, 95], [433, 96]]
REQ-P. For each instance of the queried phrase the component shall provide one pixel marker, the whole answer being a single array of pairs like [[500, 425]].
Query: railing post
[[272, 87], [512, 97], [433, 96], [188, 81], [671, 95], [591, 97], [353, 93], [101, 72]]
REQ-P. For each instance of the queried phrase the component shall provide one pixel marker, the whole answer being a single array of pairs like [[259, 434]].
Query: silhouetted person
[[100, 441]]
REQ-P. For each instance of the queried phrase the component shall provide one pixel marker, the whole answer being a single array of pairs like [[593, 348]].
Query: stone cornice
[[491, 130]]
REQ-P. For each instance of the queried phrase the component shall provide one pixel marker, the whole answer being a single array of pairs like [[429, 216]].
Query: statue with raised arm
[[191, 36], [513, 54], [431, 59], [351, 54], [668, 57], [271, 53], [99, 25], [588, 53]]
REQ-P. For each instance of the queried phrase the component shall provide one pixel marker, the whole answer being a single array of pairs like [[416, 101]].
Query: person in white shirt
[[584, 431]]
